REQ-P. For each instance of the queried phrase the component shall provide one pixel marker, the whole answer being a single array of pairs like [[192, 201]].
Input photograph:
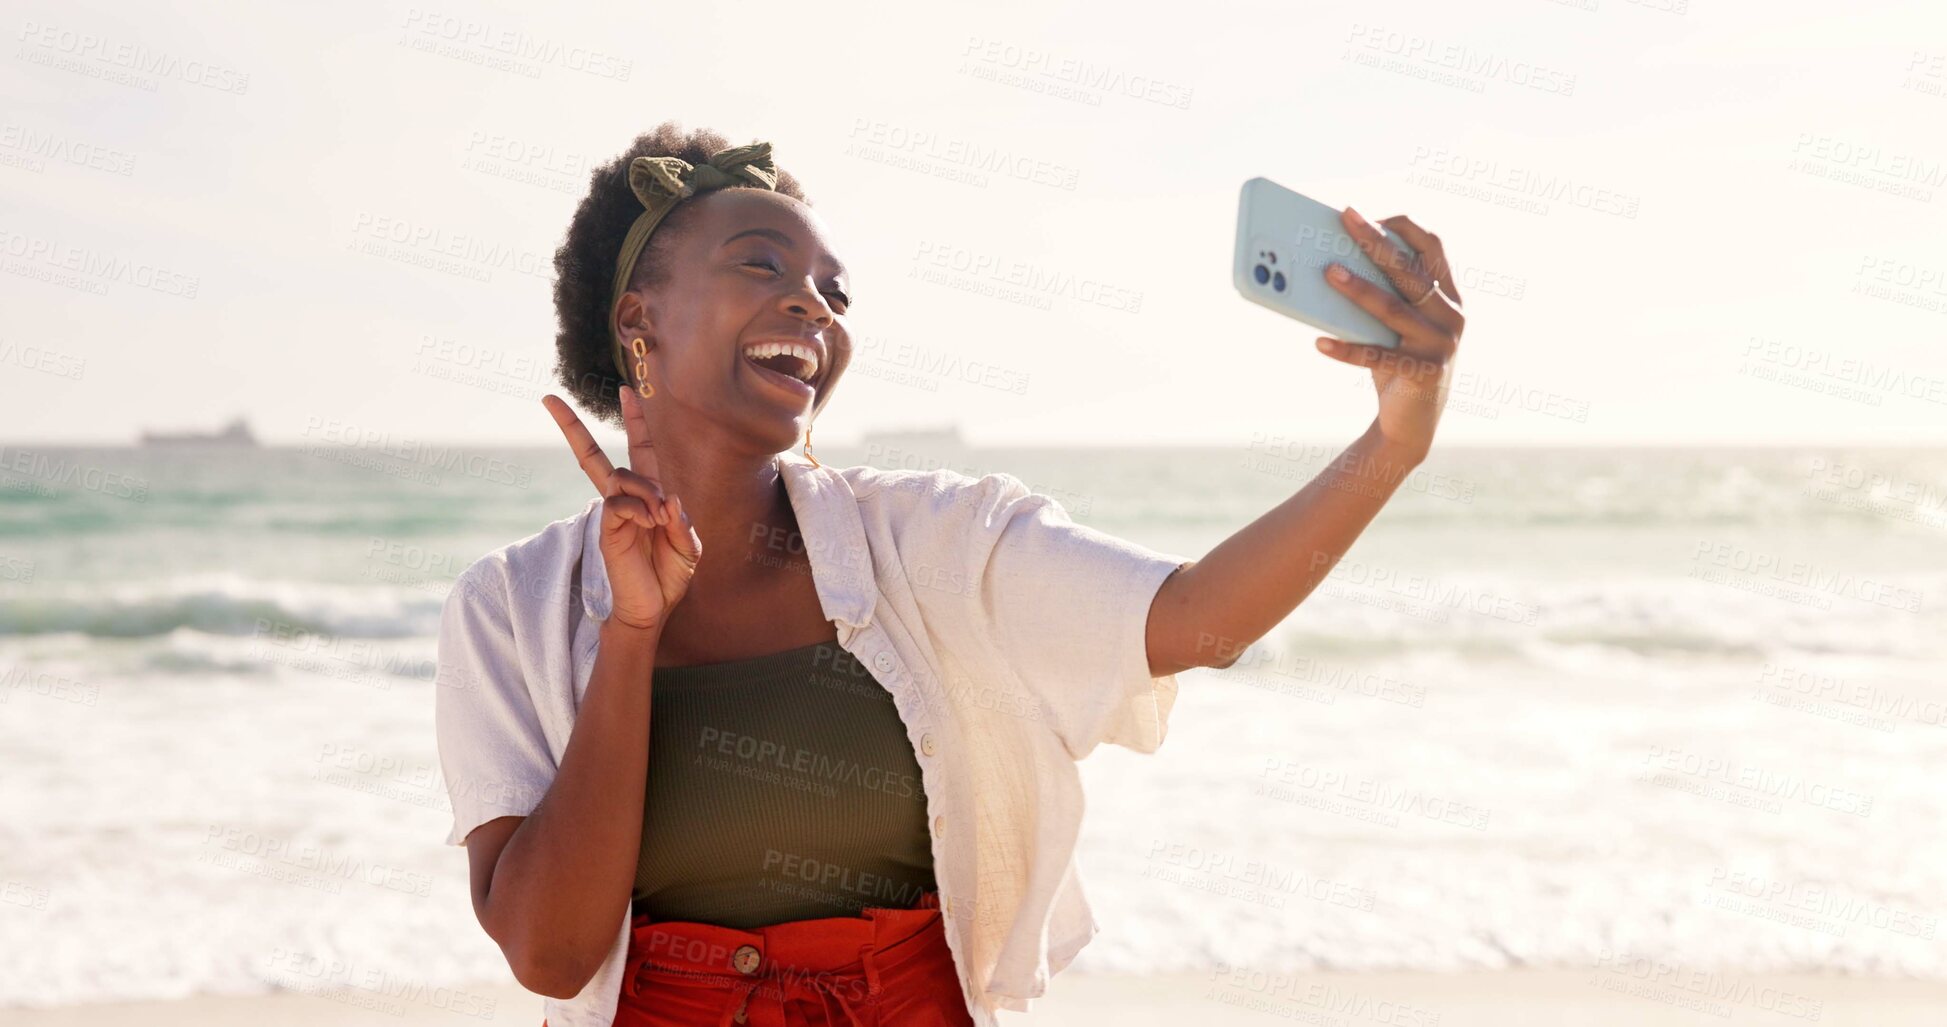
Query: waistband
[[832, 959]]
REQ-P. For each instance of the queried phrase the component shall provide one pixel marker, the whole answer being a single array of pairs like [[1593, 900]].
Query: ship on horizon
[[236, 433], [943, 437]]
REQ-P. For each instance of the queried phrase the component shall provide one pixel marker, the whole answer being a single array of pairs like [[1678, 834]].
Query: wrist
[[1396, 452], [617, 635]]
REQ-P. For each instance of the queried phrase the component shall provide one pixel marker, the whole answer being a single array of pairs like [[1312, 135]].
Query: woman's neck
[[742, 513]]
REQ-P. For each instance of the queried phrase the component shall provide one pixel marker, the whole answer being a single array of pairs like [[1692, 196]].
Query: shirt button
[[939, 825], [926, 743], [884, 661], [746, 959]]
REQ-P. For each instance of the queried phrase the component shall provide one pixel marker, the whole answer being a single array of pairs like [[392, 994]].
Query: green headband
[[662, 182]]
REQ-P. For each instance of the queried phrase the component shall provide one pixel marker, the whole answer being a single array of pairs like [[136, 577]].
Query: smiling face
[[752, 297]]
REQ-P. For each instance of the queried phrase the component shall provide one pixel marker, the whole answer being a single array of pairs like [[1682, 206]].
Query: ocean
[[1554, 707]]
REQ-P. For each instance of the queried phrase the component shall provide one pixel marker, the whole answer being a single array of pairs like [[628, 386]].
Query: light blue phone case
[[1284, 242]]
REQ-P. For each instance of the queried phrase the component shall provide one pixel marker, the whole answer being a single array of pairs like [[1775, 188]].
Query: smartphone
[[1284, 241]]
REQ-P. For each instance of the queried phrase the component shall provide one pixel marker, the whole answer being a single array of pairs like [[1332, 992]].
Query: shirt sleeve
[[1067, 608], [493, 754]]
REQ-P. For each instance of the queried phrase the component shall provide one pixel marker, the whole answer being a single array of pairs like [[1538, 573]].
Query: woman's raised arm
[[1208, 613]]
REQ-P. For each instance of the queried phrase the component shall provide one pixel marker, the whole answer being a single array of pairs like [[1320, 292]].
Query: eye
[[771, 266]]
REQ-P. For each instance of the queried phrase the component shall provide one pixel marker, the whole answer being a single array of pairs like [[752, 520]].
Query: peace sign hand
[[649, 547]]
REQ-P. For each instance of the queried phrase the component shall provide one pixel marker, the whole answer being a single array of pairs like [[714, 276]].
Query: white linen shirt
[[1010, 637]]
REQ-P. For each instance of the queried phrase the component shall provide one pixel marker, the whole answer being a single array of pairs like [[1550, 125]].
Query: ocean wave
[[1545, 622], [223, 605]]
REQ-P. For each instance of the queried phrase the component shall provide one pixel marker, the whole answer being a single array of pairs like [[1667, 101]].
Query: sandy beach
[[1506, 999]]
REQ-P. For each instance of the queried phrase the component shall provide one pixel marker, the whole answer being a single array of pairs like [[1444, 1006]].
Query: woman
[[855, 800]]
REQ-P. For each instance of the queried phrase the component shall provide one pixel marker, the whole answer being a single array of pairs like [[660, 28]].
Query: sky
[[1675, 222]]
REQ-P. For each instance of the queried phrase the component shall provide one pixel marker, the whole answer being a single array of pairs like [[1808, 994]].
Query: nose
[[805, 301]]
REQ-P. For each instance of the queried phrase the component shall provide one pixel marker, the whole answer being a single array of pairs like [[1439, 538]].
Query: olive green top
[[781, 787]]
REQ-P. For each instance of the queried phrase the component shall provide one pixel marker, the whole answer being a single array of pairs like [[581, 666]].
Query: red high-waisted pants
[[882, 968]]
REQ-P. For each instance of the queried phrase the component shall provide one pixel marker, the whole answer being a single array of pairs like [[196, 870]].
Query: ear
[[632, 317]]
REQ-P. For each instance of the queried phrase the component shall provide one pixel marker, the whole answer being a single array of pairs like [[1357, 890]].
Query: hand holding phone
[[1284, 242]]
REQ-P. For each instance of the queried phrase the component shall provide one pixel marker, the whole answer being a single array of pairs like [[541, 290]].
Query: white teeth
[[796, 349]]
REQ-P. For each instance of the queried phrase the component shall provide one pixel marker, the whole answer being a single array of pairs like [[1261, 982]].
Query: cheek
[[841, 359]]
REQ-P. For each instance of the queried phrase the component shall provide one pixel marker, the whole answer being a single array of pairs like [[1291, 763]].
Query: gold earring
[[807, 448], [642, 388]]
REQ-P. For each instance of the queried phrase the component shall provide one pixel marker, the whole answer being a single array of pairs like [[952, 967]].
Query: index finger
[[594, 462], [642, 450]]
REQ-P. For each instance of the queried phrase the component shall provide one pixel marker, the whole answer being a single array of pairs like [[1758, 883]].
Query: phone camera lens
[[1277, 281], [1262, 274]]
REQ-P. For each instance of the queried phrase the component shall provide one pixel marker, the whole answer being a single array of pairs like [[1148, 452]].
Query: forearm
[[1215, 608], [568, 870]]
